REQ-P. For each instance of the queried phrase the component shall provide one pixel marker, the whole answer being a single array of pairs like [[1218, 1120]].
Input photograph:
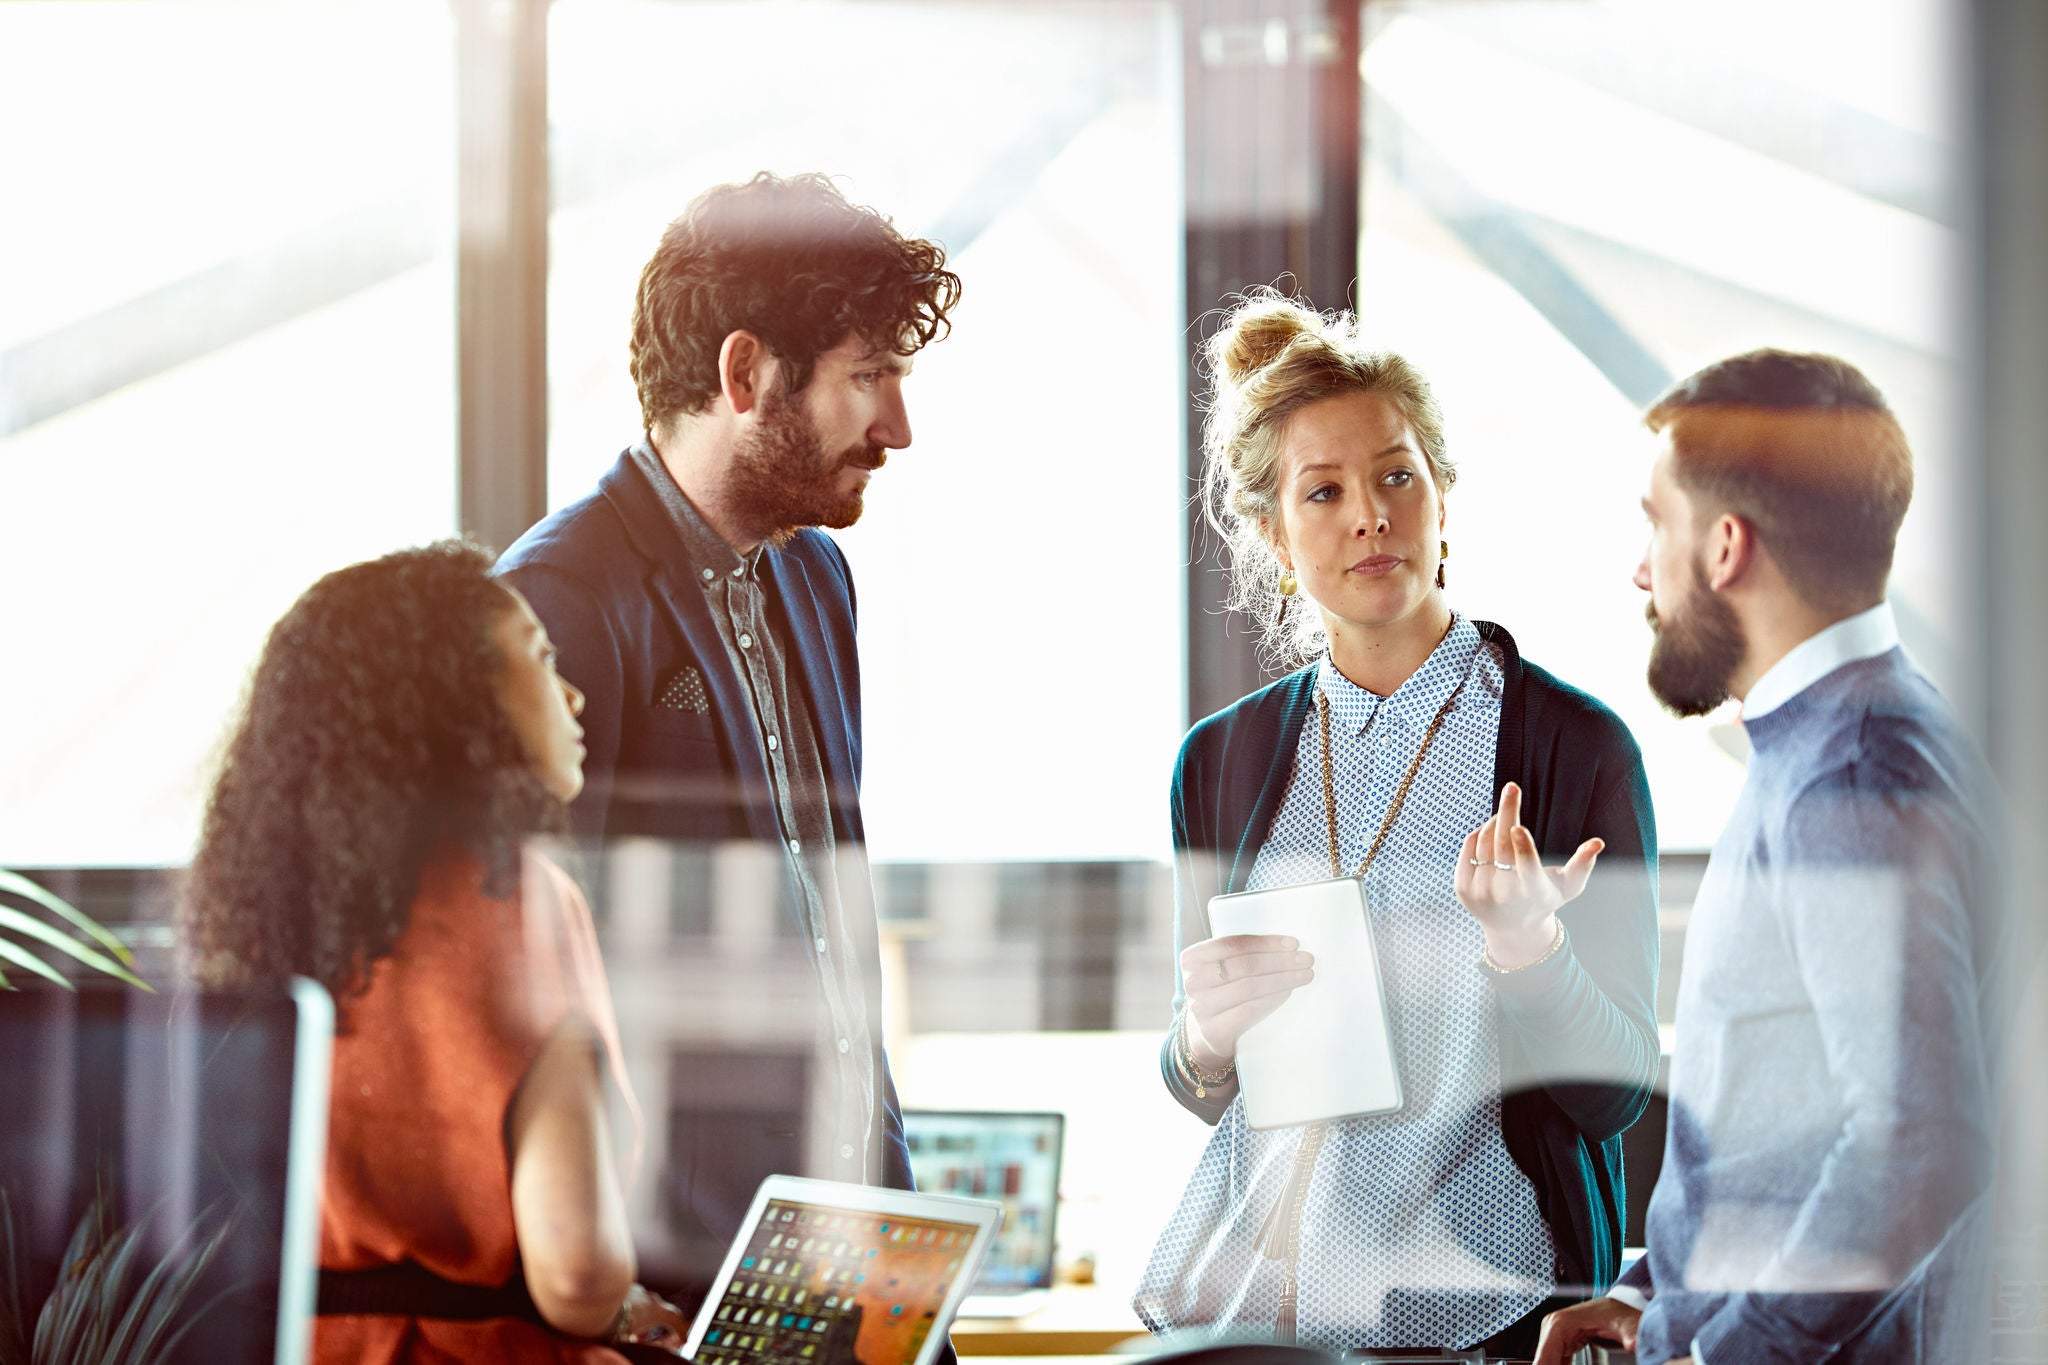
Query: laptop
[[828, 1274], [1010, 1157]]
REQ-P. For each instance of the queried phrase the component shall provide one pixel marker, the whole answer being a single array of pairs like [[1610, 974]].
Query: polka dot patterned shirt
[[1418, 1229]]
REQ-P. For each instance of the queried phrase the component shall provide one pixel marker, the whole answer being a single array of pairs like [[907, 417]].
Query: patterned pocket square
[[684, 691]]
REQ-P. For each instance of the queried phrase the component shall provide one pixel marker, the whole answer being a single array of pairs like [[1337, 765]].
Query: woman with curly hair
[[1414, 749], [404, 737]]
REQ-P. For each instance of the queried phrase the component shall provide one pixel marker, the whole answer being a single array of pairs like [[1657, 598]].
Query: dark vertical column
[[502, 265], [2013, 296], [2010, 57], [1273, 163]]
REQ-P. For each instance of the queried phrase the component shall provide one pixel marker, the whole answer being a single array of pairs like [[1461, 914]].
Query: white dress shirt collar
[[1862, 636]]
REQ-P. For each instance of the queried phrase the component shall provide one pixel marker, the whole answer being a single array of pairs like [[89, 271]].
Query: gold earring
[[1289, 584], [1443, 553]]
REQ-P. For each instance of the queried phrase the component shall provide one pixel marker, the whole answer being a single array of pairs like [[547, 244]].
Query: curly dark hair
[[370, 740], [792, 261]]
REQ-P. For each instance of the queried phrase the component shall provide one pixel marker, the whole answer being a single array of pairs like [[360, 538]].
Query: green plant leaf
[[145, 1311], [23, 957], [13, 1319], [94, 1316], [117, 1257], [143, 1305], [16, 884], [63, 1328], [155, 1329], [30, 927]]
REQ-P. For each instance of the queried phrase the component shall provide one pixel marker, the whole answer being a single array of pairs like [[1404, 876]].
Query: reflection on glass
[[1569, 205], [1041, 496], [226, 366]]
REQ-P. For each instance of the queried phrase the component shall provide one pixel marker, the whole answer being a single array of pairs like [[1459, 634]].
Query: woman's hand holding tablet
[[1231, 983]]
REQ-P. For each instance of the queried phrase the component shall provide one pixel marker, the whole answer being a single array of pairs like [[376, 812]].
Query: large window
[[1568, 205], [1019, 565], [228, 364], [226, 367]]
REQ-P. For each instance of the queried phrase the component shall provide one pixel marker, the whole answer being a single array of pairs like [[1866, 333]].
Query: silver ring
[[1505, 867], [1479, 862], [1222, 976]]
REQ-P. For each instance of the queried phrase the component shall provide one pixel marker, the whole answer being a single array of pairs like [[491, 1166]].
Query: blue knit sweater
[[1830, 1119]]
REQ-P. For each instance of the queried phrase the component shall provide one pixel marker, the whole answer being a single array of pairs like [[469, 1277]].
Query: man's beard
[[1694, 655], [781, 480]]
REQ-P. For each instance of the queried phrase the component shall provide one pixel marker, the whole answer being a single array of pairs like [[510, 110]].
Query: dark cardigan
[[1578, 1032]]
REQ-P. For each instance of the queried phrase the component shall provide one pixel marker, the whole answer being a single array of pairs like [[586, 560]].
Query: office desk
[[1077, 1320], [1082, 1321]]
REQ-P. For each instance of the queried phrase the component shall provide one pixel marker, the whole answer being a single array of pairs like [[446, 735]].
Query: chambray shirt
[[778, 713], [1831, 1117], [1418, 1226]]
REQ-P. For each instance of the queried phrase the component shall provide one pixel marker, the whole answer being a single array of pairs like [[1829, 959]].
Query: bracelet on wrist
[[1184, 1056], [1177, 1049], [1556, 944], [621, 1320]]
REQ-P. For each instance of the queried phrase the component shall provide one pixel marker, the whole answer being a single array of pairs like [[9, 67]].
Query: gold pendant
[[1201, 1091]]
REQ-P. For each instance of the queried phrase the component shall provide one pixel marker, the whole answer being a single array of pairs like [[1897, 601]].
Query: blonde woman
[[1521, 995]]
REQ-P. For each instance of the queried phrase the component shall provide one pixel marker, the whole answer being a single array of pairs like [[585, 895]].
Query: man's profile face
[[807, 460], [1698, 639]]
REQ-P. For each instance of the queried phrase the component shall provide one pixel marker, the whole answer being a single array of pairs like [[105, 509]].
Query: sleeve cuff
[[1630, 1295]]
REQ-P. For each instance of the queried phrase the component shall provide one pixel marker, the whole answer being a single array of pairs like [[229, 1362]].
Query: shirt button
[[739, 571], [797, 846], [846, 1151], [709, 575], [844, 1046], [821, 943], [774, 743], [746, 640]]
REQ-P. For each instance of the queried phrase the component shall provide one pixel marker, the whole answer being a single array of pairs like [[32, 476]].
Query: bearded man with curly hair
[[709, 623]]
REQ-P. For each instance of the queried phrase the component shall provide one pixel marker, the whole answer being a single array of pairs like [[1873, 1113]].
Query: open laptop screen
[[1013, 1158], [822, 1283]]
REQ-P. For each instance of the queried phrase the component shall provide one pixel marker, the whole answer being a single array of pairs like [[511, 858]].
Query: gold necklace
[[1400, 795]]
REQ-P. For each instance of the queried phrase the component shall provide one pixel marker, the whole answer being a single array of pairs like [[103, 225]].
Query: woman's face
[[1358, 514], [541, 706]]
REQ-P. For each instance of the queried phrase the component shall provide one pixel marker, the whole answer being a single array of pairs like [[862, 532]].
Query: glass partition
[[1570, 205], [226, 367]]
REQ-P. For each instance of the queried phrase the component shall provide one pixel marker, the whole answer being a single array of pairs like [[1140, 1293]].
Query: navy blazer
[[1579, 1041], [607, 577]]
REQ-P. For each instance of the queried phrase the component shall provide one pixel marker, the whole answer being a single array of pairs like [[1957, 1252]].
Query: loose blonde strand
[[1274, 356]]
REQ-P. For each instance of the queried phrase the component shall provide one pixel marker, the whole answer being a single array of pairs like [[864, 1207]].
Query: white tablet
[[1328, 1052], [828, 1274]]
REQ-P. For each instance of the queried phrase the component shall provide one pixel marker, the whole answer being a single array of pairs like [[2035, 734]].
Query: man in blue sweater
[[1830, 1132]]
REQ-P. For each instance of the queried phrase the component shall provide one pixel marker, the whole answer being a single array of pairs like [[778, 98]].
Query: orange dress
[[424, 1076]]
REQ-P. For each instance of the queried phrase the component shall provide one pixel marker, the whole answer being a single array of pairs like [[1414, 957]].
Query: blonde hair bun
[[1260, 331], [1271, 357]]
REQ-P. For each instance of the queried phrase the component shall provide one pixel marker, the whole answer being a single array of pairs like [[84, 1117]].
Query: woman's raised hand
[[1231, 983], [1503, 884]]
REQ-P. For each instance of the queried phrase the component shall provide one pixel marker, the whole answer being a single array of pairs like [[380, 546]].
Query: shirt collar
[[709, 557], [1416, 701], [1862, 636]]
